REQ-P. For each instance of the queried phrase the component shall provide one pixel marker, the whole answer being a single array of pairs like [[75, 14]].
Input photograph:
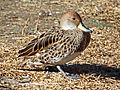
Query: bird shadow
[[94, 69]]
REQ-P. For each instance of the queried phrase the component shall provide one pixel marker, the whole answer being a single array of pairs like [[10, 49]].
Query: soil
[[98, 66]]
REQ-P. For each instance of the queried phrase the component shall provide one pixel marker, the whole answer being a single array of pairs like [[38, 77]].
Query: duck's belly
[[66, 59]]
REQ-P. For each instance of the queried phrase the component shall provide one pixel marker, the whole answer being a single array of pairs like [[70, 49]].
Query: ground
[[98, 65]]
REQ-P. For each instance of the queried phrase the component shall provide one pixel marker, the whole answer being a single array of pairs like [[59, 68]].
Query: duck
[[58, 46]]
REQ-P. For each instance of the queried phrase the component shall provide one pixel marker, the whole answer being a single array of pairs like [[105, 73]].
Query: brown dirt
[[99, 64]]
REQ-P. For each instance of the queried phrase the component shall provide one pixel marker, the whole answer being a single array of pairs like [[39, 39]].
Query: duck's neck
[[66, 25]]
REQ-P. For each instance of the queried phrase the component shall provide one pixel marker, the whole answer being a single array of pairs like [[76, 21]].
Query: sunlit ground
[[99, 64]]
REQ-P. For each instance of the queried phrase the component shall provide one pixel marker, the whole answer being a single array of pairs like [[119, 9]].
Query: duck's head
[[71, 20]]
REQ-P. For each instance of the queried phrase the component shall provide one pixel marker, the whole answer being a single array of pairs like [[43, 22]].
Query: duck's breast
[[84, 42]]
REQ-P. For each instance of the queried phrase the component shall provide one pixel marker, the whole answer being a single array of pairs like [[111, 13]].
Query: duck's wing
[[40, 43]]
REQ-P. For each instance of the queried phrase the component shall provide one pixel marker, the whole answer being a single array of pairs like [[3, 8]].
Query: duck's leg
[[68, 75]]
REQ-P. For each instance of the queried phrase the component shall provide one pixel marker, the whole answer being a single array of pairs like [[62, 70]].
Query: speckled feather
[[59, 46], [54, 46]]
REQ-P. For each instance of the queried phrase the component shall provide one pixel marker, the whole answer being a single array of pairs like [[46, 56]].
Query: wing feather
[[38, 44]]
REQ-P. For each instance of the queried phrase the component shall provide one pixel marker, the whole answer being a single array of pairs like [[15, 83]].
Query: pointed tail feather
[[27, 51]]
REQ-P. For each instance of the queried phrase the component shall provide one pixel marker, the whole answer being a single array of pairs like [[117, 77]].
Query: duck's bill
[[83, 28]]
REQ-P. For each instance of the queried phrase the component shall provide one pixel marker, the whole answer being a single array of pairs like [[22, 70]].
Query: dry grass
[[99, 64]]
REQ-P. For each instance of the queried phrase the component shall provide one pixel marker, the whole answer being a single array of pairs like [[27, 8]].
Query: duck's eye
[[73, 18]]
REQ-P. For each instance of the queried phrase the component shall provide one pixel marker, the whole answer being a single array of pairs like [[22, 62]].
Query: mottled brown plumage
[[57, 47]]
